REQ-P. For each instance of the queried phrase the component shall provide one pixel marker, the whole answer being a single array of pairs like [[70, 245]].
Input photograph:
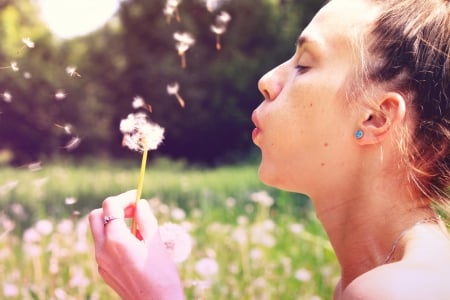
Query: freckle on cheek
[[322, 164], [325, 144]]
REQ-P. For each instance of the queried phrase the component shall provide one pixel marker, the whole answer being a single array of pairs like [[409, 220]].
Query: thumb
[[146, 221]]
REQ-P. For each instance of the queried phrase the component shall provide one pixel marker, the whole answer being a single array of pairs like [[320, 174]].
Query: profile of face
[[303, 128]]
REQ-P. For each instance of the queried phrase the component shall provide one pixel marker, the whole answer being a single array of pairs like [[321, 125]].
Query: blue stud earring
[[359, 134]]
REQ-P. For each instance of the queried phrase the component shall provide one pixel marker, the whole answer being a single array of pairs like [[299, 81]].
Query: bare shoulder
[[400, 281]]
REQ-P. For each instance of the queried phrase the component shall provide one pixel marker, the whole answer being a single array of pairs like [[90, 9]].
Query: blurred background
[[69, 71]]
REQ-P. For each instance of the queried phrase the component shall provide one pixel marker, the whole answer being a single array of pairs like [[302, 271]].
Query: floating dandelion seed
[[213, 5], [72, 71], [7, 97], [70, 200], [138, 102], [60, 95], [28, 42], [220, 26], [140, 134], [184, 42], [68, 128], [73, 143], [173, 89], [27, 75], [13, 66], [35, 166], [170, 9]]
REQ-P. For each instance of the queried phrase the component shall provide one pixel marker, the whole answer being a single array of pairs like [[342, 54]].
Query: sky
[[72, 18]]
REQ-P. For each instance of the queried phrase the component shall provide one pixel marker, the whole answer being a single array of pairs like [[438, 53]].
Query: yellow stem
[[139, 189]]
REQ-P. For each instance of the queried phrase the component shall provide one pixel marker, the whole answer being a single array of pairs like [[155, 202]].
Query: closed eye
[[301, 69]]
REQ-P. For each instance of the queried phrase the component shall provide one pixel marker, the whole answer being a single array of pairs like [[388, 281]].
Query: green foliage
[[262, 251]]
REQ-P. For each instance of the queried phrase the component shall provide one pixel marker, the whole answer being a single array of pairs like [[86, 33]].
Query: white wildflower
[[303, 275], [262, 198]]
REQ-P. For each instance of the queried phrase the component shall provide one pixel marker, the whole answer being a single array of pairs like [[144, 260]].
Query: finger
[[147, 223], [115, 207], [96, 224]]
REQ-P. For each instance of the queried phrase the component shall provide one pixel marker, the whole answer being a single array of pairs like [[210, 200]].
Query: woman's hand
[[135, 269]]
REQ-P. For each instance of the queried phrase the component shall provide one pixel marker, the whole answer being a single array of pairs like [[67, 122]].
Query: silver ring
[[108, 219]]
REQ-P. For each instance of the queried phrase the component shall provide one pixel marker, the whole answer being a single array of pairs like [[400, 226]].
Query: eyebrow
[[303, 40]]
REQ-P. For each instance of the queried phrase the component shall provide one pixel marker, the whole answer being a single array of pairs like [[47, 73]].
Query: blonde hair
[[408, 51]]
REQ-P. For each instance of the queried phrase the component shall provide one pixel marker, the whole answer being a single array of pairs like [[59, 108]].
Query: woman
[[358, 119]]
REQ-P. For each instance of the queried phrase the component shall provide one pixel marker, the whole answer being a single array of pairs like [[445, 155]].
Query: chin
[[270, 177], [273, 178]]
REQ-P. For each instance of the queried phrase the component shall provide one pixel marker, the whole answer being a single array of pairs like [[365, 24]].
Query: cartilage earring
[[359, 134]]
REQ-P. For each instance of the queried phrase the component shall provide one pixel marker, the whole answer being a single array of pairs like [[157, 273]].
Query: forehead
[[340, 22]]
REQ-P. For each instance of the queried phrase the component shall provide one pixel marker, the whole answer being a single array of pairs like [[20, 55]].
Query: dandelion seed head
[[10, 290], [178, 214], [230, 202], [65, 227], [177, 241], [44, 227], [296, 228], [28, 42], [31, 235], [140, 134], [207, 267]]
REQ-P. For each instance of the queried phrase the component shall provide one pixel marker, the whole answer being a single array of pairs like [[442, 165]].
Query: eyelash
[[301, 69]]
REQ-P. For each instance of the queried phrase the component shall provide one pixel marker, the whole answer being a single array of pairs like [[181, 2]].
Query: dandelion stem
[[218, 45], [183, 60], [180, 100], [139, 189]]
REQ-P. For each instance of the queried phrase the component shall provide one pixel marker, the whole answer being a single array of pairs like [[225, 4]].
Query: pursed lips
[[256, 131]]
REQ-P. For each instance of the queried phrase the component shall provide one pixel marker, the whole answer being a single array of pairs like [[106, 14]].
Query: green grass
[[259, 254]]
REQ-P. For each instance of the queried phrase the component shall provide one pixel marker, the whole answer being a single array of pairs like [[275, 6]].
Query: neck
[[363, 229]]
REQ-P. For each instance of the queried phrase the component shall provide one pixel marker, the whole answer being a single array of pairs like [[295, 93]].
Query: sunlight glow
[[71, 18]]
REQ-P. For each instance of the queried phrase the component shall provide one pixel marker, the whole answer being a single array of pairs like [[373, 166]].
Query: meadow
[[249, 241]]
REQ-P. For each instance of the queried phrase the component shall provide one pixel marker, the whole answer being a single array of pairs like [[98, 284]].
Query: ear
[[379, 122]]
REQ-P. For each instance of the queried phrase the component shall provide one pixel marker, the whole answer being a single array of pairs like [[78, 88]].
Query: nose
[[271, 84]]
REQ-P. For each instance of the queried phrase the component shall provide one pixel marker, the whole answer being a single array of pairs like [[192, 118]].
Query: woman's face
[[303, 127]]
